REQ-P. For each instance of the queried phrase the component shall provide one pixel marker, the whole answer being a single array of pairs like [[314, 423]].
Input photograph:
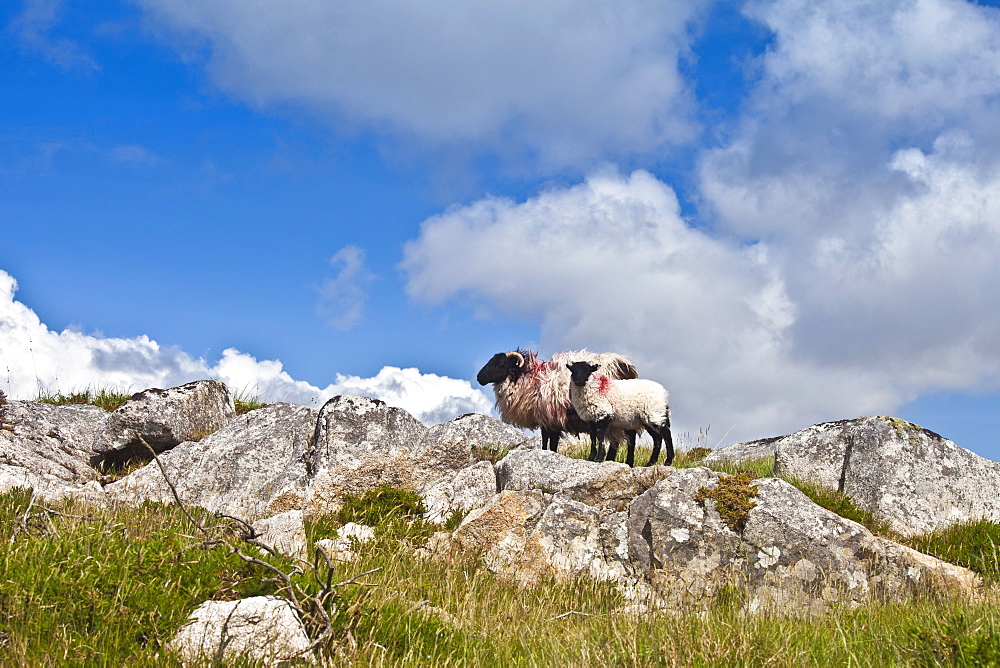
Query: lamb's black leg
[[600, 430], [612, 451], [592, 427], [630, 457]]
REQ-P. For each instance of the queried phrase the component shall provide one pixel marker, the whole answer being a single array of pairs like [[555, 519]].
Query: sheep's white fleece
[[629, 403]]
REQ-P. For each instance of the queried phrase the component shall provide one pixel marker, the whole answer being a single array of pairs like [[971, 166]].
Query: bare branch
[[170, 484]]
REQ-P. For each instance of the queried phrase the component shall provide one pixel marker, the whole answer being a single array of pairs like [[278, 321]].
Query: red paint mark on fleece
[[603, 385]]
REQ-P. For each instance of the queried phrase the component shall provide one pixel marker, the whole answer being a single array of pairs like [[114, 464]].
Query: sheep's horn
[[518, 356]]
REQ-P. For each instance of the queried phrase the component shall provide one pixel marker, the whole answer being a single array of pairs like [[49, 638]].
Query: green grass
[[107, 398], [975, 545], [99, 587], [436, 613], [110, 587]]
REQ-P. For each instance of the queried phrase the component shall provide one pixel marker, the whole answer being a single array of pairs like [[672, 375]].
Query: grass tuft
[[761, 467], [107, 398], [246, 402], [105, 588], [396, 513]]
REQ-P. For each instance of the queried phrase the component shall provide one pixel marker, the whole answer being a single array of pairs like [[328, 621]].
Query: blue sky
[[785, 211]]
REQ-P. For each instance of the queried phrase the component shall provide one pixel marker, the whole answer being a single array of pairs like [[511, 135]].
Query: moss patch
[[734, 499], [904, 429]]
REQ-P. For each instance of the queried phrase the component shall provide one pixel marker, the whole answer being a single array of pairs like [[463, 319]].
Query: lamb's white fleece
[[629, 403]]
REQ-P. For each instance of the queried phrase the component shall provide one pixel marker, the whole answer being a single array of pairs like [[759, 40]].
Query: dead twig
[[173, 489]]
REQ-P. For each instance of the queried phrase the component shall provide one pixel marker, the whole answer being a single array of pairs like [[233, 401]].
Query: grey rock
[[574, 539], [607, 484], [263, 629], [165, 418], [254, 467], [284, 533], [48, 446], [349, 540], [741, 452], [498, 532], [486, 435], [669, 549], [905, 474], [362, 443], [791, 555], [470, 488]]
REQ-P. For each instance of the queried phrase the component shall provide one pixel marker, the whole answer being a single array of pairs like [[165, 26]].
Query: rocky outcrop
[[667, 537], [289, 457], [163, 419], [51, 442], [264, 629], [362, 443], [48, 448], [900, 472], [672, 547], [472, 487], [255, 466]]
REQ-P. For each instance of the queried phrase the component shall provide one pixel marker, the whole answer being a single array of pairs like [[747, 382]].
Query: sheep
[[633, 404], [532, 394]]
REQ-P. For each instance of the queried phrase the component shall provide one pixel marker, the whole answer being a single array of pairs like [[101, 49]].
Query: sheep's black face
[[500, 367], [579, 372]]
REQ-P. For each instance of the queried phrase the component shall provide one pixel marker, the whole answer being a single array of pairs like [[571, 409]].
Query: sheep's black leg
[[657, 441], [630, 457], [550, 439], [669, 440]]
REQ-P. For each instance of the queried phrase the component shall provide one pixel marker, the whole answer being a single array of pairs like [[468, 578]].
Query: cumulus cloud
[[843, 86], [867, 159], [560, 81], [342, 298], [611, 264], [36, 359]]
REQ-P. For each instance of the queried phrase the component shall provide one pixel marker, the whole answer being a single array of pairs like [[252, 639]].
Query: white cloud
[[898, 61], [843, 86], [34, 359], [561, 81], [867, 159], [434, 399], [342, 299]]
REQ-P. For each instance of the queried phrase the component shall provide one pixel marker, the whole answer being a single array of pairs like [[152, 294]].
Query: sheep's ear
[[569, 366], [594, 367]]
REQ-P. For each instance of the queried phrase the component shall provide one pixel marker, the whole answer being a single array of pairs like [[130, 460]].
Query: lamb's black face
[[498, 369], [579, 372]]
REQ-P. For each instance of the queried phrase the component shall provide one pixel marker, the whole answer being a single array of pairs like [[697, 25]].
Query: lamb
[[605, 402], [531, 393]]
